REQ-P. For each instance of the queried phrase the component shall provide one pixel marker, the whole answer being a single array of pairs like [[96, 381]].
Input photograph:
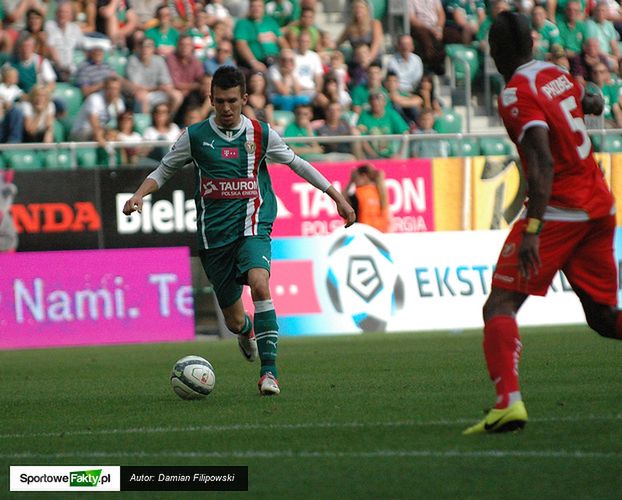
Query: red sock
[[502, 348]]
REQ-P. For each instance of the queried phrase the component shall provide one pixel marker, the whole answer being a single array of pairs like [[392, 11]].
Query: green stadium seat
[[494, 146], [2, 161], [60, 134], [449, 122], [79, 56], [611, 143], [283, 118], [141, 122], [23, 160], [118, 61], [464, 147], [457, 53], [379, 8], [57, 159], [71, 96], [87, 157]]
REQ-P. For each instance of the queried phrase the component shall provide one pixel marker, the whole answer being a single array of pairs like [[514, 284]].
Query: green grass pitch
[[371, 416]]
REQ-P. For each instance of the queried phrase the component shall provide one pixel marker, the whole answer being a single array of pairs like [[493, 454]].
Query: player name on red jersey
[[557, 87], [245, 187]]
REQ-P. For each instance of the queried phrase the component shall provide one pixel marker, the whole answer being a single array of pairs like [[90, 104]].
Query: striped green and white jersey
[[233, 194]]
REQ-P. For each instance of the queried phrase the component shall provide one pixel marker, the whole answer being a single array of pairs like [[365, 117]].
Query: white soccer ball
[[193, 377]]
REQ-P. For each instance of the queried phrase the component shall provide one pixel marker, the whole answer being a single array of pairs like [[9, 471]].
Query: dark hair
[[227, 77], [512, 33]]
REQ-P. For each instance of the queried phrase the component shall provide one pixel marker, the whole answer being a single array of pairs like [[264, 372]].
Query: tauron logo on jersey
[[245, 187], [229, 153]]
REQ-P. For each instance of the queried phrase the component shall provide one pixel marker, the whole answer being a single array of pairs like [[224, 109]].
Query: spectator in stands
[[335, 125], [428, 148], [559, 57], [39, 112], [427, 23], [8, 232], [217, 12], [545, 34], [282, 11], [305, 23], [85, 14], [258, 39], [556, 10], [583, 63], [308, 68], [198, 99], [361, 93], [191, 116], [185, 69], [150, 79], [367, 194], [258, 106], [11, 116], [8, 36], [611, 94], [15, 11], [162, 129], [223, 57], [481, 36], [286, 92], [202, 36], [339, 69], [357, 67], [116, 19], [64, 37], [602, 29], [427, 92], [406, 104], [329, 94], [407, 65], [221, 32], [381, 120], [363, 29], [182, 13], [99, 113], [164, 35], [35, 26], [301, 127], [92, 73], [145, 13], [31, 67], [463, 20], [125, 133], [572, 30]]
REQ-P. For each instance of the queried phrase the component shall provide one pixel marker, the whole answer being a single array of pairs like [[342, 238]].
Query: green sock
[[267, 335], [248, 325]]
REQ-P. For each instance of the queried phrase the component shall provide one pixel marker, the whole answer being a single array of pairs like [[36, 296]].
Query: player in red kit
[[568, 223]]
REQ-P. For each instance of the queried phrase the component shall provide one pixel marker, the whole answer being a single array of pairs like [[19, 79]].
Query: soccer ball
[[193, 377], [362, 279]]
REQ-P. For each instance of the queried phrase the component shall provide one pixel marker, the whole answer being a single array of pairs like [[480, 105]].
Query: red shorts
[[582, 250]]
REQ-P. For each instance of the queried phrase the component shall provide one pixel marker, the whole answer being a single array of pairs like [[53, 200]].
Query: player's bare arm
[[135, 203], [343, 207], [537, 153]]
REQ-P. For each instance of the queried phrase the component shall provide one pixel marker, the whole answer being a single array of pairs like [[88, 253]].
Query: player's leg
[[254, 259], [593, 275]]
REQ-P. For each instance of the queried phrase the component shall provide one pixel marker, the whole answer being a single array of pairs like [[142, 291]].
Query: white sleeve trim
[[528, 125], [178, 156]]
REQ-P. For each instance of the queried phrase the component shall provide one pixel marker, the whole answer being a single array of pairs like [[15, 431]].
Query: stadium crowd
[[130, 70]]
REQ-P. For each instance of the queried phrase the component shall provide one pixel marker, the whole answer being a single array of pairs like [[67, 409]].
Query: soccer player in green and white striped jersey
[[236, 208]]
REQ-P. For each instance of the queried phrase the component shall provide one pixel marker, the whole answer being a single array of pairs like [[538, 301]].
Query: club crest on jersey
[[508, 96], [508, 250], [250, 147]]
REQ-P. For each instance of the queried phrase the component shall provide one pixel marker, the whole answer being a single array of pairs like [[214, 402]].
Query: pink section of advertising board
[[95, 297], [305, 211]]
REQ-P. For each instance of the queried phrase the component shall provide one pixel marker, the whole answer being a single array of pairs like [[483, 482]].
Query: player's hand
[[135, 203], [347, 212], [529, 256]]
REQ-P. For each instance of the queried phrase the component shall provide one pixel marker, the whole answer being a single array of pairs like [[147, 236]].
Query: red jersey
[[541, 94]]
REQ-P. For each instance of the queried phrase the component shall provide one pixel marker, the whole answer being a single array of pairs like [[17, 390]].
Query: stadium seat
[[283, 118], [610, 144], [60, 134], [118, 61], [464, 147], [57, 159], [379, 8], [141, 122], [457, 53], [71, 96], [494, 146], [87, 157], [79, 56], [23, 160], [449, 122]]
